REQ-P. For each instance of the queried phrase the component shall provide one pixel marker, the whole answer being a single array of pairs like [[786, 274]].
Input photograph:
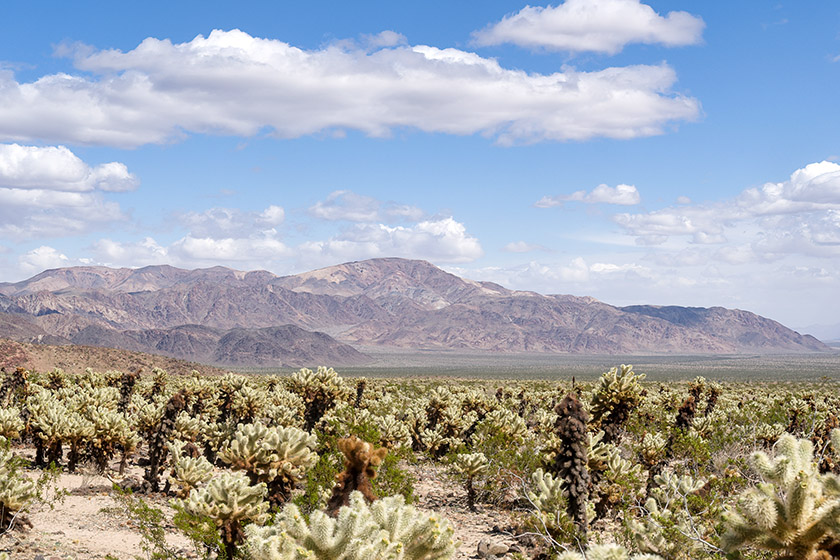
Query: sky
[[667, 153]]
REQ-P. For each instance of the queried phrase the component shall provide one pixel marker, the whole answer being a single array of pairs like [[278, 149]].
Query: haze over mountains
[[223, 316]]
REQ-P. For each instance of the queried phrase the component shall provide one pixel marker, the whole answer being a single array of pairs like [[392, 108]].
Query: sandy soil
[[87, 524]]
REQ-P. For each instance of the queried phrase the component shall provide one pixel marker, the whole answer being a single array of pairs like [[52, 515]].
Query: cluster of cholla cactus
[[277, 457], [386, 530], [319, 390], [795, 511], [617, 392]]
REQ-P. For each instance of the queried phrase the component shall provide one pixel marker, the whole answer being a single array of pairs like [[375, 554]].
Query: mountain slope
[[380, 302]]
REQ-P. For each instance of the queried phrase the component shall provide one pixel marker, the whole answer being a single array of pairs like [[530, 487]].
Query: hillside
[[220, 315]]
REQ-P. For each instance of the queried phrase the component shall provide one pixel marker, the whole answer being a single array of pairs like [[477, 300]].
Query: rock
[[486, 549]]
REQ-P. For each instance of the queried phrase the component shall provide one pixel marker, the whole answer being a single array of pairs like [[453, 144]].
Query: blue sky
[[681, 153]]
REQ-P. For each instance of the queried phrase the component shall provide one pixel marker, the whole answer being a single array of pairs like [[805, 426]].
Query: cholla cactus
[[768, 434], [666, 526], [653, 448], [360, 462], [471, 465], [11, 424], [319, 391], [159, 438], [617, 393], [278, 457], [187, 428], [571, 460], [16, 491], [503, 422], [49, 421], [392, 432], [231, 502], [247, 403], [110, 432], [607, 552], [386, 530], [795, 512], [549, 502], [188, 472]]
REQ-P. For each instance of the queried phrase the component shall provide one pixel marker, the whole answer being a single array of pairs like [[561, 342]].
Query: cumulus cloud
[[349, 206], [440, 240], [234, 84], [57, 168], [40, 259], [800, 215], [49, 191], [604, 26], [231, 222], [625, 195], [521, 247], [38, 213]]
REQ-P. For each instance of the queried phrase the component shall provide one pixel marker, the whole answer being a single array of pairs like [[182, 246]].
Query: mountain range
[[228, 317]]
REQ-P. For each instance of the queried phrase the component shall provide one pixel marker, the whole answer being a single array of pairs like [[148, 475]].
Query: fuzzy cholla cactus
[[387, 530], [188, 472], [550, 503], [796, 512], [607, 552], [16, 491], [11, 424], [667, 526], [231, 503], [319, 390], [617, 393], [471, 465], [278, 457]]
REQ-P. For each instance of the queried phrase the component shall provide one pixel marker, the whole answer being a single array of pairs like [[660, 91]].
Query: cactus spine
[[795, 512]]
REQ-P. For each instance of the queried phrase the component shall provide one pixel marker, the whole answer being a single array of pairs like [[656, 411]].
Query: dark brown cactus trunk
[[157, 446], [360, 458], [570, 462]]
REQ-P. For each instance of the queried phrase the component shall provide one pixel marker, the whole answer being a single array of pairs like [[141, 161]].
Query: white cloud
[[625, 195], [441, 240], [57, 168], [231, 222], [604, 26], [49, 191], [207, 249], [521, 247], [234, 84], [141, 253], [797, 216], [39, 213], [352, 207], [40, 259]]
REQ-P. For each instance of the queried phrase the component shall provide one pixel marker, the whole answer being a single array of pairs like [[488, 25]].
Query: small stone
[[498, 549]]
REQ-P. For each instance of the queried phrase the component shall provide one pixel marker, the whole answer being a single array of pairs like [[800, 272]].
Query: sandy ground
[[87, 523]]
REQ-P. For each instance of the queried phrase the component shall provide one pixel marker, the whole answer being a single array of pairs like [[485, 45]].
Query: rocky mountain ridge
[[387, 302]]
